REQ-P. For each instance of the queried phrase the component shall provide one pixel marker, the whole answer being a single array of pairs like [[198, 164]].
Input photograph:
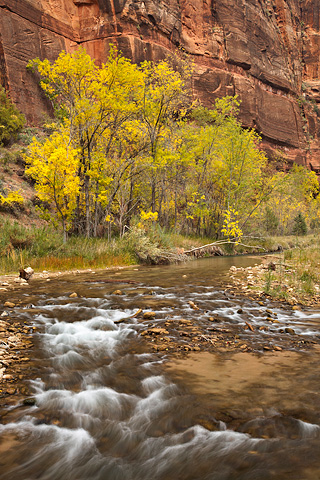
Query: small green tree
[[271, 221], [11, 120], [300, 226]]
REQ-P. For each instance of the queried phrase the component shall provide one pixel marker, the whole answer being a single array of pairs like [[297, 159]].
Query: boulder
[[26, 273]]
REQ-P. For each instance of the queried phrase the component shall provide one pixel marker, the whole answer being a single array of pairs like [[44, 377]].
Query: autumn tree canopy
[[128, 142]]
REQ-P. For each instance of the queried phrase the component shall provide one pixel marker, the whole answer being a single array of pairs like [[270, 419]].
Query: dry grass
[[297, 274]]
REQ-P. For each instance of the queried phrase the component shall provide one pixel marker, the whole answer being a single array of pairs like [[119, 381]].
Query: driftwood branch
[[252, 246], [213, 244], [222, 242], [207, 339]]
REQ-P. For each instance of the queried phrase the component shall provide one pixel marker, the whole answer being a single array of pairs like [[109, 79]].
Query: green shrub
[[271, 221], [11, 120], [300, 226]]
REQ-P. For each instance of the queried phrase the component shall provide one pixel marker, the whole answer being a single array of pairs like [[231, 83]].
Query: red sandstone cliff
[[267, 51]]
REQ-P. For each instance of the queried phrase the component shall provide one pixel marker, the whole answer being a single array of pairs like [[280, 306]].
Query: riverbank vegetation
[[291, 275], [129, 147], [132, 169]]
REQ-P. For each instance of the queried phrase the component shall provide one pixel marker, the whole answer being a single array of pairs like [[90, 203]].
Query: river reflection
[[106, 409]]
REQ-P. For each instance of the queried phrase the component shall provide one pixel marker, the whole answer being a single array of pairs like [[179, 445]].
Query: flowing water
[[107, 409]]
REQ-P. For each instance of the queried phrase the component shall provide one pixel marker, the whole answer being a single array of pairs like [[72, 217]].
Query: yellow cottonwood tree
[[93, 103], [165, 99], [54, 164]]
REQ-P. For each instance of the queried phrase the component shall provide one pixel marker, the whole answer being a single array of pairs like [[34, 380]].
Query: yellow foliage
[[148, 216], [13, 199], [54, 165], [231, 228]]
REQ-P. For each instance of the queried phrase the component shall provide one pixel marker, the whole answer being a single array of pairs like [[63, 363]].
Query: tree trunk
[[65, 234], [153, 196], [87, 200], [96, 211]]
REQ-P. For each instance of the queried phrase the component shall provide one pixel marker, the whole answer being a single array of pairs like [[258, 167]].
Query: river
[[109, 408]]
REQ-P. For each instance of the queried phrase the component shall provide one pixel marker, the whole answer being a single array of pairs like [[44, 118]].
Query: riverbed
[[212, 399]]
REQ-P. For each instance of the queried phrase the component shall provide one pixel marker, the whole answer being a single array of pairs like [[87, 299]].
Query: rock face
[[267, 52]]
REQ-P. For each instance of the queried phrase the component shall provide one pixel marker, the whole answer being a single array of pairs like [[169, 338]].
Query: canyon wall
[[266, 51]]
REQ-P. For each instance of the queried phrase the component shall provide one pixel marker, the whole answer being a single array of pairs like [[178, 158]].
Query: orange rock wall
[[266, 51]]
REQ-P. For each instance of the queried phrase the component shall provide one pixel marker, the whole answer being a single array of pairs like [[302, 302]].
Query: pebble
[[155, 331], [149, 315], [193, 305], [73, 295], [184, 334], [9, 304], [117, 292], [250, 326], [185, 322], [29, 401], [11, 391], [290, 331]]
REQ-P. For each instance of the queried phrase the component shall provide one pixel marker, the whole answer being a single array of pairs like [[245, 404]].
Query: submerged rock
[[117, 292], [290, 331], [30, 401]]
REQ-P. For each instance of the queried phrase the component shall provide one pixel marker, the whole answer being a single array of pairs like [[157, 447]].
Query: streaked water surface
[[107, 409]]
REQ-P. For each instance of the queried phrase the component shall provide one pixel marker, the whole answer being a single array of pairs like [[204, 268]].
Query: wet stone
[[184, 334], [193, 305], [290, 331], [9, 304], [10, 391], [155, 331], [185, 322]]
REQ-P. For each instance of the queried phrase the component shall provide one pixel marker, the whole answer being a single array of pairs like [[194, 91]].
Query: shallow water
[[106, 409]]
